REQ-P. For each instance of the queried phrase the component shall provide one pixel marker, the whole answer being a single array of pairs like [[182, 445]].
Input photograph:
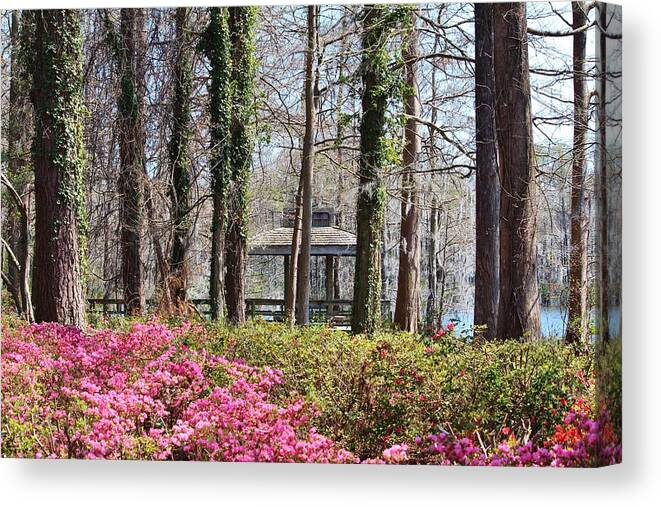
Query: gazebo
[[327, 241]]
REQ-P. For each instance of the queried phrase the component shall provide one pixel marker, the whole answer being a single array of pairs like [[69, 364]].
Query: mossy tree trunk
[[366, 308], [519, 308], [56, 65], [131, 105], [577, 328], [487, 183], [216, 45], [242, 37], [180, 158], [407, 306]]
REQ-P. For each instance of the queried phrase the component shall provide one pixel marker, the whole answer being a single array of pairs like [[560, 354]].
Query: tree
[[487, 184], [54, 42], [578, 257], [377, 88], [129, 48], [18, 177], [307, 170], [407, 305], [292, 270], [217, 48], [180, 159], [242, 132], [518, 309]]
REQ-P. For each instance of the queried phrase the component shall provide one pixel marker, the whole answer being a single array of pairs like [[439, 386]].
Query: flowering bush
[[376, 392], [144, 395], [153, 392], [577, 442]]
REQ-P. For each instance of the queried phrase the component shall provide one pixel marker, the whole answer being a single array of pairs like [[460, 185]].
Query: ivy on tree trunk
[[239, 157], [378, 87], [54, 42], [180, 159]]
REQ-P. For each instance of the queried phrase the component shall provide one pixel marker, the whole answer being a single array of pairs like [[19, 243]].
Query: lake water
[[553, 320]]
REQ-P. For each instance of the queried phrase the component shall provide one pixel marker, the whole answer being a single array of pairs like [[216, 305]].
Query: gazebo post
[[330, 284]]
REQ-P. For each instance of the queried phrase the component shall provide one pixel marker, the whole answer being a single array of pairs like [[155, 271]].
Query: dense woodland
[[143, 149]]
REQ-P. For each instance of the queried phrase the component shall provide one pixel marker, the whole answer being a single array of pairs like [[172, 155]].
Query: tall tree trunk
[[307, 170], [604, 181], [432, 260], [57, 96], [407, 306], [290, 296], [217, 47], [487, 184], [578, 254], [180, 159], [366, 309], [341, 159], [17, 226], [131, 53], [518, 311], [242, 37]]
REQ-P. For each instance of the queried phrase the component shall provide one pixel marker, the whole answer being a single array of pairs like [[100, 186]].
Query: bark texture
[[366, 309], [487, 183], [18, 176], [292, 270], [518, 309], [433, 269], [577, 328], [180, 160], [242, 38], [57, 85], [407, 305], [307, 173], [216, 45], [131, 58]]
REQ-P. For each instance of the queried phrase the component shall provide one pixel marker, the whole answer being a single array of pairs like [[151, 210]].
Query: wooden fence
[[336, 312]]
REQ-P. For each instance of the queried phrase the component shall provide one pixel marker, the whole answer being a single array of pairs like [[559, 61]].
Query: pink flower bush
[[144, 395], [579, 442]]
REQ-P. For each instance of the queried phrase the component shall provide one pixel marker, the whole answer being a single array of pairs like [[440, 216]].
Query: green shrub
[[373, 392], [609, 382]]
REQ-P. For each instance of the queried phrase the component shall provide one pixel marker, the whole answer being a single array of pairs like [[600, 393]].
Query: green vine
[[57, 74], [378, 150]]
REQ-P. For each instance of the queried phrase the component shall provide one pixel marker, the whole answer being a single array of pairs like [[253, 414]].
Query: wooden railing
[[335, 311]]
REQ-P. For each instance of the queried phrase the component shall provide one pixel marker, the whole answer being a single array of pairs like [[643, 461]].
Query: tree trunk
[[57, 97], [217, 47], [604, 181], [161, 262], [487, 184], [407, 306], [578, 255], [330, 282], [307, 170], [242, 37], [180, 159], [131, 107], [366, 309], [432, 260], [17, 226], [290, 289], [518, 311]]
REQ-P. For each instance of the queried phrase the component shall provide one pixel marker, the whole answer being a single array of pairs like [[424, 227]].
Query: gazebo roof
[[324, 241]]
